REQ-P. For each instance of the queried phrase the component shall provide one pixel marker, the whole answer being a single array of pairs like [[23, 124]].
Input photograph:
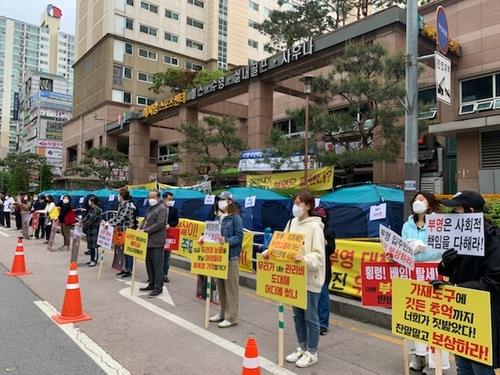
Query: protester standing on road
[[154, 225], [232, 234], [39, 204], [415, 235], [24, 206], [2, 218], [90, 226], [8, 205], [123, 220], [49, 212], [474, 272], [172, 222], [17, 211], [67, 218]]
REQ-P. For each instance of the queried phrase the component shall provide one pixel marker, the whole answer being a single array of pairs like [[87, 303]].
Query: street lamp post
[[307, 80]]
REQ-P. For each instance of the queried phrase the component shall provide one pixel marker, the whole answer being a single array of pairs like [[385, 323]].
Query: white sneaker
[[216, 318], [417, 363], [308, 359], [226, 323], [295, 356]]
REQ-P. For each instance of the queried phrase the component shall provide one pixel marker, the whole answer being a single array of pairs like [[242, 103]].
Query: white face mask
[[419, 207], [65, 201], [169, 203], [297, 211], [153, 202], [35, 198], [222, 205]]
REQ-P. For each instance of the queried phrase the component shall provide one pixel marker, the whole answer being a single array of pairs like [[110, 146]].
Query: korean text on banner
[[376, 280], [246, 262], [396, 247], [450, 318], [346, 264], [211, 259], [172, 239], [212, 231], [462, 232], [191, 231], [285, 282], [317, 180], [105, 236], [136, 244], [285, 245]]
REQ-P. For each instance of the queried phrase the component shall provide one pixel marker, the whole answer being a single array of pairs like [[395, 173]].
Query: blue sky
[[31, 11]]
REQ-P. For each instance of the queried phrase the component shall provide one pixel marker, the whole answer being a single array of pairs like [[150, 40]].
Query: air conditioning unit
[[434, 185]]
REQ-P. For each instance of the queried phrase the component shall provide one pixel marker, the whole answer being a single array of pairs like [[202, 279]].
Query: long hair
[[434, 204], [233, 208], [125, 194]]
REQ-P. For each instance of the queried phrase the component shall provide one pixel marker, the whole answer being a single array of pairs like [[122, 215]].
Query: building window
[[268, 48], [172, 15], [149, 6], [427, 103], [253, 24], [170, 60], [288, 127], [127, 72], [195, 23], [198, 3], [253, 43], [490, 149], [129, 23], [193, 66], [194, 44], [121, 96], [480, 94], [253, 5], [130, 2], [129, 49], [142, 100], [148, 30], [167, 152], [147, 54], [145, 77], [171, 37], [127, 97]]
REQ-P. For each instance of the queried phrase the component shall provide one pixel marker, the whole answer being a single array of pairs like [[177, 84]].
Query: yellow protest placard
[[246, 263], [317, 180], [450, 318], [136, 244], [282, 281], [211, 259], [190, 232], [285, 245]]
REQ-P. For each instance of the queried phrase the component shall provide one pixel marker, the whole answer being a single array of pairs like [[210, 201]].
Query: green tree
[[46, 177], [212, 148], [24, 171], [179, 80], [101, 163]]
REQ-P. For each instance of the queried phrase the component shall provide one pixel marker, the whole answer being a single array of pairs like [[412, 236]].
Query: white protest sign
[[81, 199], [462, 232], [316, 202], [105, 236], [442, 66], [378, 212], [250, 201], [396, 248], [111, 197], [212, 231], [209, 199]]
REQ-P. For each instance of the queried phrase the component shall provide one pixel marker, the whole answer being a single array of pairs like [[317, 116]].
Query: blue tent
[[108, 198], [190, 203], [349, 209], [76, 195]]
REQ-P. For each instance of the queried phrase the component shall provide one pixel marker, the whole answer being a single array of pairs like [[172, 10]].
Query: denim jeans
[[307, 323], [324, 307], [166, 262], [467, 367], [129, 261]]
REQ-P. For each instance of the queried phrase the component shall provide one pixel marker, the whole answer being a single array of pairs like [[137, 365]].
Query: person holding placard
[[172, 222], [51, 214], [90, 225], [231, 233], [476, 272]]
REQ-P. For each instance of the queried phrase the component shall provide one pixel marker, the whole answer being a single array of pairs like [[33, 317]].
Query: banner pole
[[132, 284], [207, 302], [101, 262], [406, 360], [281, 335], [439, 363]]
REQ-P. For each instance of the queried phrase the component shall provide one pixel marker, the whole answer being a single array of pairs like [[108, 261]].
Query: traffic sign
[[442, 68], [442, 30]]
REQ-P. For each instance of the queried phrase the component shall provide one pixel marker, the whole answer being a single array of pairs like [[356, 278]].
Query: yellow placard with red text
[[450, 318], [246, 263], [285, 245], [211, 259], [190, 233], [136, 244], [317, 180]]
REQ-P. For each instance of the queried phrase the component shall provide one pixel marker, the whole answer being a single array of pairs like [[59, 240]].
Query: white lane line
[[94, 351], [4, 234], [266, 364]]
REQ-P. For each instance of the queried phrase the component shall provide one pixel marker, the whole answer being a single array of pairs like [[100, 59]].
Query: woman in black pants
[[49, 199]]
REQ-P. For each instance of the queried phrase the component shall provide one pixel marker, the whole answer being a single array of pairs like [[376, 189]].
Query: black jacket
[[173, 217], [481, 273], [329, 250]]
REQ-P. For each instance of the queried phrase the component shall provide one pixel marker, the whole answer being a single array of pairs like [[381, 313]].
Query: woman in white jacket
[[313, 254]]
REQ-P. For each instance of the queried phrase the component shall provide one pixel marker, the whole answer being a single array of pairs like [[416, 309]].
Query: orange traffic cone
[[72, 310], [251, 364], [18, 265]]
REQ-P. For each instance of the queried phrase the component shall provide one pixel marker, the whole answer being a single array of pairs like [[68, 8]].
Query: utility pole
[[412, 167]]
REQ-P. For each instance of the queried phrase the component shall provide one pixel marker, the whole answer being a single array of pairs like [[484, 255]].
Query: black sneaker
[[121, 273], [87, 252], [126, 274], [166, 279], [323, 331], [145, 289], [154, 293]]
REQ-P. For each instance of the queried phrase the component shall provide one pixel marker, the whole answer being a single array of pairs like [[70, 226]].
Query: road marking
[[165, 296], [4, 234], [94, 351], [266, 364]]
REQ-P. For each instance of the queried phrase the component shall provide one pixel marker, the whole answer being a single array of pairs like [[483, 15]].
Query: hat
[[466, 198], [226, 195]]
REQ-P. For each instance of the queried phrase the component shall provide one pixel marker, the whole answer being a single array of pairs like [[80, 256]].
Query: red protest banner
[[376, 280], [35, 219], [172, 242]]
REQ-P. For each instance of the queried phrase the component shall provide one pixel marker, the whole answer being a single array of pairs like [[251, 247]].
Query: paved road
[[162, 336]]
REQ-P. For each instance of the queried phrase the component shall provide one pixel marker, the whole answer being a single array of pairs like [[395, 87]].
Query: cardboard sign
[[81, 200], [462, 232], [105, 236], [378, 212], [250, 201], [191, 231], [172, 241], [111, 197], [211, 259], [285, 282], [376, 280], [396, 248], [209, 199], [450, 318], [285, 245], [246, 262], [136, 244], [212, 231], [35, 220]]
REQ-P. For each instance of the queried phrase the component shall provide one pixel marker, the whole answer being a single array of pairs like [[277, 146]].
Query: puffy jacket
[[232, 231], [412, 232]]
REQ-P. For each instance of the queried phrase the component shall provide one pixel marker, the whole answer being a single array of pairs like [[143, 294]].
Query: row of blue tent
[[349, 207]]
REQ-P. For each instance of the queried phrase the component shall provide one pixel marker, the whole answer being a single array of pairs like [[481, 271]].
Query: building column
[[260, 113], [186, 166], [138, 152]]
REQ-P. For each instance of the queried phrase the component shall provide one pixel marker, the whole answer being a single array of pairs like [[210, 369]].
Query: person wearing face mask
[[24, 205], [172, 222], [155, 223], [49, 213], [307, 326], [8, 206], [90, 224], [39, 204], [476, 272], [67, 218], [414, 233], [232, 234]]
